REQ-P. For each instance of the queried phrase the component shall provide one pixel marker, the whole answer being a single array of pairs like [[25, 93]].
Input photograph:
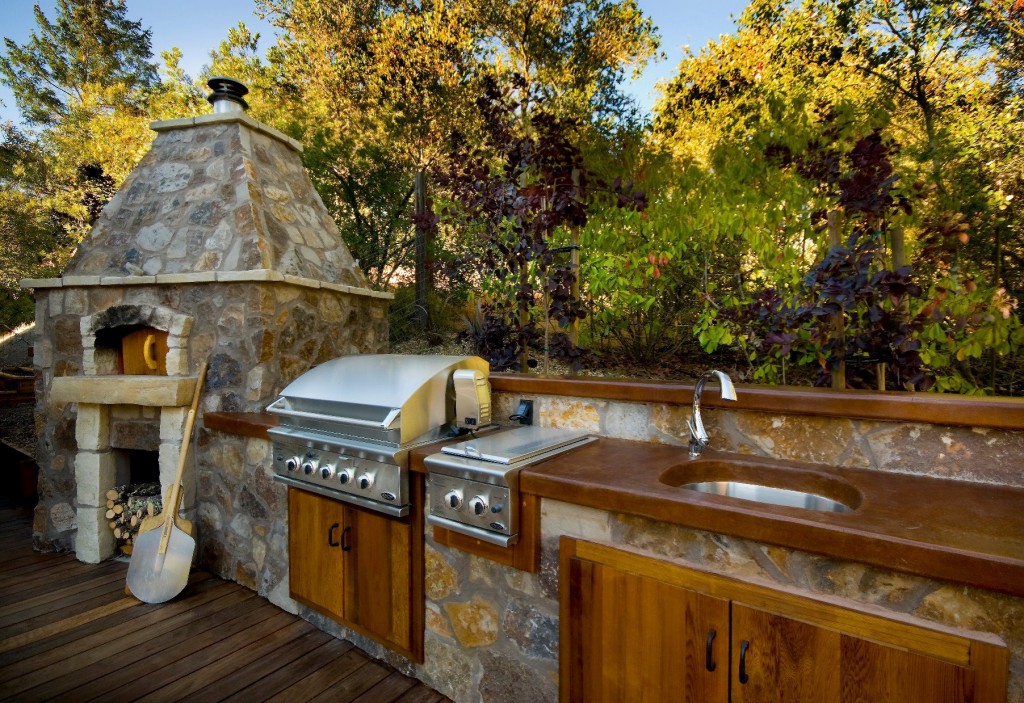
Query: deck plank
[[322, 679], [284, 629], [68, 631], [184, 658], [420, 693], [279, 680], [123, 647], [387, 690], [257, 669], [188, 641]]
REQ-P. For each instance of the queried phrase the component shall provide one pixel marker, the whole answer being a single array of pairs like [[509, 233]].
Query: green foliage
[[82, 81], [89, 51], [897, 121], [773, 118]]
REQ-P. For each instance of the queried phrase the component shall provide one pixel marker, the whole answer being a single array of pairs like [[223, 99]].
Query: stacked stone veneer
[[492, 631], [218, 238]]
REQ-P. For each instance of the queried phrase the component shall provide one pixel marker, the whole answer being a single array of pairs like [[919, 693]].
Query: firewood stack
[[127, 506]]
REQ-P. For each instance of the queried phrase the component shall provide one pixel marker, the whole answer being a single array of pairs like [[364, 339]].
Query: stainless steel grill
[[347, 425]]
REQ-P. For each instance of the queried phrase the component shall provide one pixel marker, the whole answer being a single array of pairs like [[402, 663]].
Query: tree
[[874, 120], [384, 85], [374, 87], [82, 83], [90, 52]]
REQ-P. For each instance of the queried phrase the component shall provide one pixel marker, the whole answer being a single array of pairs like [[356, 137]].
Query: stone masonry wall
[[257, 337], [492, 631]]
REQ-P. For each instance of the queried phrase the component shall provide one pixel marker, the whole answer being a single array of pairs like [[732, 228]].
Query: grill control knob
[[344, 476], [293, 463], [309, 466], [365, 481], [326, 471], [453, 499], [478, 504]]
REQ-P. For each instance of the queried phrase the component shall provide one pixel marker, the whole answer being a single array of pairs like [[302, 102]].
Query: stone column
[[95, 473]]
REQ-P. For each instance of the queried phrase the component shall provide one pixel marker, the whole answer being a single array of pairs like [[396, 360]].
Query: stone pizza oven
[[216, 248]]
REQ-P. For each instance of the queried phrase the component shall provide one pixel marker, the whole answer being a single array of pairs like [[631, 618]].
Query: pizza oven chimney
[[227, 96]]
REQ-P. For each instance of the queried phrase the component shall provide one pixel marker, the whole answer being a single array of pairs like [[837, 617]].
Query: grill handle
[[385, 424]]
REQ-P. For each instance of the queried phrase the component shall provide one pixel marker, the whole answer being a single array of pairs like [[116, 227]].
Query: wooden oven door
[[144, 352]]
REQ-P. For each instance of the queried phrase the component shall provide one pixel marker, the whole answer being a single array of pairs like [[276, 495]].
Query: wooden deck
[[69, 633]]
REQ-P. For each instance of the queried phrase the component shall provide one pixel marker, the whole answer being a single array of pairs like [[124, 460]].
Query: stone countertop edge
[[884, 406], [254, 276], [903, 522]]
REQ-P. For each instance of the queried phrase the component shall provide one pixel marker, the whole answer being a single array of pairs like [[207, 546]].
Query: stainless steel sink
[[768, 494], [765, 480]]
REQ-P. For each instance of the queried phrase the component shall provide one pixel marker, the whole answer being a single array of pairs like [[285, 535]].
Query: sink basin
[[768, 494], [765, 481]]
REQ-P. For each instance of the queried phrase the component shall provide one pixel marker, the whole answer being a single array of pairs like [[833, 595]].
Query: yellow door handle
[[149, 352]]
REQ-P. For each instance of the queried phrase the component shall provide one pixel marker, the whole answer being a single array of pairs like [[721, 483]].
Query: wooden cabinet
[[636, 638], [358, 567], [640, 629]]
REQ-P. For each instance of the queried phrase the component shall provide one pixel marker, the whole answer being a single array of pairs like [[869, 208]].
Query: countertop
[[963, 532], [969, 533]]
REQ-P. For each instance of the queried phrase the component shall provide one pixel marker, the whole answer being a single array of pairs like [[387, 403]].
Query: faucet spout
[[698, 435]]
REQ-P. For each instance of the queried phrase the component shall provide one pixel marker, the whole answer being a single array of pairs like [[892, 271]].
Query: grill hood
[[394, 399]]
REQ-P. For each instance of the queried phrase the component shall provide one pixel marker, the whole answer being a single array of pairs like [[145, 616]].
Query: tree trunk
[[835, 238], [422, 313]]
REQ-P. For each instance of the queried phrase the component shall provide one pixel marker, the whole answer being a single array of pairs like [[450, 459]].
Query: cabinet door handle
[[332, 541], [346, 544], [744, 646], [709, 662]]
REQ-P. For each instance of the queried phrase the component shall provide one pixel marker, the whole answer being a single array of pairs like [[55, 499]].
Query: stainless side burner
[[474, 485]]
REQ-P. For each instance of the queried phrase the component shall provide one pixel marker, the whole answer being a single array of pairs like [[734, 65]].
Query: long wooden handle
[[174, 498]]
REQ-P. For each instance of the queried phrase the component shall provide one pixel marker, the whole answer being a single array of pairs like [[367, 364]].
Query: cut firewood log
[[130, 504]]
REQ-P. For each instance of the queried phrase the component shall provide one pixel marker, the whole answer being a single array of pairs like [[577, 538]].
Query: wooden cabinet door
[[316, 560], [636, 639], [378, 595], [777, 659]]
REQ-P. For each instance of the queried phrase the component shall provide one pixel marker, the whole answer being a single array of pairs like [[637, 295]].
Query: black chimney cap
[[225, 88]]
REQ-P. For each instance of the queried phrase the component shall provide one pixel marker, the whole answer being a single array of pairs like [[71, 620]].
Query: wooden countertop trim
[[954, 531], [244, 424], [933, 408]]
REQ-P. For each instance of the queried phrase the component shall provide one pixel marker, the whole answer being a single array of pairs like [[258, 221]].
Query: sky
[[197, 26]]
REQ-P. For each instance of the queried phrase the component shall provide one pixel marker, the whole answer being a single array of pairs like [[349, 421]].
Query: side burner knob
[[293, 463], [478, 504], [365, 481], [453, 499]]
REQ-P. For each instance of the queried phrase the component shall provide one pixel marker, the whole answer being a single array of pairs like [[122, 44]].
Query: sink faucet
[[698, 435]]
